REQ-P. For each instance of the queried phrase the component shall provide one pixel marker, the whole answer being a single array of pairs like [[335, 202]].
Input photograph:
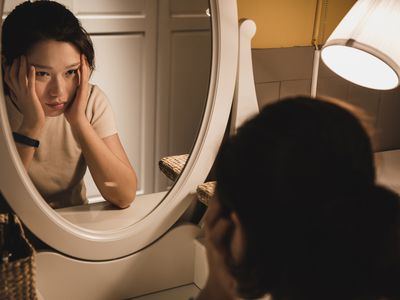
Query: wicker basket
[[205, 192], [172, 166], [17, 265]]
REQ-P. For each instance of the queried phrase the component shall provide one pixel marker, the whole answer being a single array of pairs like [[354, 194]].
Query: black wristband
[[22, 139]]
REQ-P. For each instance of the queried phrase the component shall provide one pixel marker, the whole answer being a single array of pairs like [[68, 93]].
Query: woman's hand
[[218, 239], [21, 81], [75, 112]]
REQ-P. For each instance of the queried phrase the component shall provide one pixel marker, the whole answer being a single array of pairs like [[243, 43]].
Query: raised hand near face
[[219, 239], [75, 113], [21, 81]]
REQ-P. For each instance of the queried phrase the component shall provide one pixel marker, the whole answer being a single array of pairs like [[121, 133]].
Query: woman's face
[[56, 68]]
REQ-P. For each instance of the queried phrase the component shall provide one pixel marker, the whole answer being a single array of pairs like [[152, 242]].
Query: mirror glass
[[152, 60]]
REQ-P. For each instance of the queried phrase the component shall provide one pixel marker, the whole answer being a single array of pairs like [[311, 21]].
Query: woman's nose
[[57, 86]]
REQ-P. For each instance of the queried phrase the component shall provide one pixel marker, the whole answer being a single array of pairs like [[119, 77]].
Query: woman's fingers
[[76, 111], [220, 233], [12, 73], [14, 68], [83, 75], [16, 75], [7, 76], [22, 70], [31, 80], [84, 69], [213, 212]]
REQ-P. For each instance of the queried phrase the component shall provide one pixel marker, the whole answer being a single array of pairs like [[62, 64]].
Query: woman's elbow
[[123, 197], [126, 199], [123, 201]]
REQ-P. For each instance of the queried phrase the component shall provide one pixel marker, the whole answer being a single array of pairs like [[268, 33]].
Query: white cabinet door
[[124, 38]]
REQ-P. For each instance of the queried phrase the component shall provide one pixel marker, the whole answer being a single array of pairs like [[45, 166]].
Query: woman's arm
[[107, 161], [109, 165], [21, 82]]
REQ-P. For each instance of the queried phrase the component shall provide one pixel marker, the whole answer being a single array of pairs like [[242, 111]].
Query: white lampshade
[[365, 46]]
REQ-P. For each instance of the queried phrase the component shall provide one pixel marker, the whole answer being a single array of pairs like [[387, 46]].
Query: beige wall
[[288, 23]]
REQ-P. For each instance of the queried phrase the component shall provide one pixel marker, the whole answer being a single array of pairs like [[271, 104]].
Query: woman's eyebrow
[[77, 64], [41, 66], [48, 67]]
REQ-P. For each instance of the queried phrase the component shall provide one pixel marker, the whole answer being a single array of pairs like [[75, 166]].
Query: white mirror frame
[[86, 244]]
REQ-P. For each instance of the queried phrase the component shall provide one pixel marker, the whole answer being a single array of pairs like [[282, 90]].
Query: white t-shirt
[[58, 165]]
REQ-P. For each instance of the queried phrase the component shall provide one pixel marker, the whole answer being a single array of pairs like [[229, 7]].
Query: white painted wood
[[245, 103], [86, 244], [10, 4], [167, 263], [102, 215], [200, 263], [107, 7]]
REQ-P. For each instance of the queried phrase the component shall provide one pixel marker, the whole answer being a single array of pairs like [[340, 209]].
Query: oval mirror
[[95, 233], [156, 83]]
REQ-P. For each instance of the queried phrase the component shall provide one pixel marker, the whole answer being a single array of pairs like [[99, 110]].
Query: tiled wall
[[283, 72]]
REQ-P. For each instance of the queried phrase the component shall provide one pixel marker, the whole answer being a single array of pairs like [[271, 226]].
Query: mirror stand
[[180, 251]]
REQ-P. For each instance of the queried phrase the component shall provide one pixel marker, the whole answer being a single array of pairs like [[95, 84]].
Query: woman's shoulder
[[99, 112], [97, 99], [96, 92]]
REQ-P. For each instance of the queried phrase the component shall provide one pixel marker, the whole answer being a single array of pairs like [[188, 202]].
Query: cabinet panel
[[189, 77], [185, 7], [97, 24], [109, 7]]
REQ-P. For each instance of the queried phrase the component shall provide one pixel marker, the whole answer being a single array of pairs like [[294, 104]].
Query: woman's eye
[[72, 72], [41, 74]]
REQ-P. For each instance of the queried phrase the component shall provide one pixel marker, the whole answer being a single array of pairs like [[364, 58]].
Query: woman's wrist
[[25, 140], [33, 132], [80, 126]]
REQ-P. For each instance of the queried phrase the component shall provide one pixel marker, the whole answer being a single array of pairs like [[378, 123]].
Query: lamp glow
[[364, 48]]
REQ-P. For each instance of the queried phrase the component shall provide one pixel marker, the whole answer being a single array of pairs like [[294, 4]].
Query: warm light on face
[[359, 67]]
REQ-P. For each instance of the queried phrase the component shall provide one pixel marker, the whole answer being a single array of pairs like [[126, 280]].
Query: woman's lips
[[56, 106]]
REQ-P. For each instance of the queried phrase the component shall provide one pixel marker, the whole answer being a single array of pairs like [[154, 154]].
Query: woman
[[298, 213], [60, 122]]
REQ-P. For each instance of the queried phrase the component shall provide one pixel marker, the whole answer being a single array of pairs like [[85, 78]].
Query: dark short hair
[[33, 22], [301, 177]]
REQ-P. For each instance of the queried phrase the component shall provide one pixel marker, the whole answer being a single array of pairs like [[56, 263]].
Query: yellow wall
[[288, 23]]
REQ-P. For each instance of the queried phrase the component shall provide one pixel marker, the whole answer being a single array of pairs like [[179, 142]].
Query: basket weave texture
[[17, 265], [172, 166], [205, 192]]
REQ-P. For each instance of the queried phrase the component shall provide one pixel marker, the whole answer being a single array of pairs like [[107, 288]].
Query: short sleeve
[[99, 113]]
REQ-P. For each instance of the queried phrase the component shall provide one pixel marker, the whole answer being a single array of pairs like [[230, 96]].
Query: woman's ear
[[238, 241]]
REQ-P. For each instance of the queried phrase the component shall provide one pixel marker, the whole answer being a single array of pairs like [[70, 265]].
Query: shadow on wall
[[283, 72]]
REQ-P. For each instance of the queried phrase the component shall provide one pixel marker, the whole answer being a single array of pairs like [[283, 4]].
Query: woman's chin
[[53, 113]]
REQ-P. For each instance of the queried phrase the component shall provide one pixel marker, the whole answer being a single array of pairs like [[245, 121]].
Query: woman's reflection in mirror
[[298, 213], [61, 123]]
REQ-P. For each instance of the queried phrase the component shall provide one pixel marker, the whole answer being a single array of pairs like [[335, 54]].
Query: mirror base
[[141, 273]]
